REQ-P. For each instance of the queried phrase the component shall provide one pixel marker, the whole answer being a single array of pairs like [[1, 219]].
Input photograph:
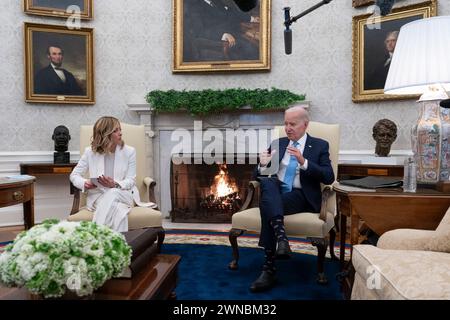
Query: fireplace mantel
[[160, 125], [174, 120]]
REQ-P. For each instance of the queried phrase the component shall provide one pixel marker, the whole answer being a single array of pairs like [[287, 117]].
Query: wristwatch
[[116, 185]]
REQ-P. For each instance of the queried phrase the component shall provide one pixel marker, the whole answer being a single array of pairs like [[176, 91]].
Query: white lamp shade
[[421, 57]]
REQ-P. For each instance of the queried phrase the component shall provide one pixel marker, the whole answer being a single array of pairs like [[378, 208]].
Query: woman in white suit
[[112, 171]]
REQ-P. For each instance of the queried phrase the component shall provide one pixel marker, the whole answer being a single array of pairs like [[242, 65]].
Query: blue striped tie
[[290, 173]]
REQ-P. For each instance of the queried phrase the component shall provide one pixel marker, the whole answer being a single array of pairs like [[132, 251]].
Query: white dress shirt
[[60, 73], [388, 60], [285, 162]]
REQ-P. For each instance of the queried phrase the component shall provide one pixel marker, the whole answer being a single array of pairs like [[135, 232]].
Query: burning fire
[[223, 185], [224, 196]]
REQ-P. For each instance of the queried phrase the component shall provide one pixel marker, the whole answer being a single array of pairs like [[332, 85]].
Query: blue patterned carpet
[[204, 275]]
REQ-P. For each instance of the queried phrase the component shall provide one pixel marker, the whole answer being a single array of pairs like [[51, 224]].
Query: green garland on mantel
[[203, 102]]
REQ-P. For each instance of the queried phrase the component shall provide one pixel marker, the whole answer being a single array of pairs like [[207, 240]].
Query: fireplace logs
[[208, 193]]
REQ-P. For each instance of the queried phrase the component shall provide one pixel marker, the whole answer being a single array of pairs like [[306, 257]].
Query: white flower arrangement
[[54, 256]]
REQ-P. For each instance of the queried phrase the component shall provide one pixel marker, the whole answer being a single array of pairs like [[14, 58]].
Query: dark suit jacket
[[47, 81], [376, 78], [319, 167]]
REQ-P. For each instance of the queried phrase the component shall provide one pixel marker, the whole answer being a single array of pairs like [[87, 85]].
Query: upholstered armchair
[[139, 217], [405, 264], [317, 227]]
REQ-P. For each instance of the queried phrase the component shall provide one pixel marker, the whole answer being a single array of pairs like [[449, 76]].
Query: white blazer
[[124, 172]]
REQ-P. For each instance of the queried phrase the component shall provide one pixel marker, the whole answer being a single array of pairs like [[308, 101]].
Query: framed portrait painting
[[374, 40], [215, 35], [60, 8], [59, 64]]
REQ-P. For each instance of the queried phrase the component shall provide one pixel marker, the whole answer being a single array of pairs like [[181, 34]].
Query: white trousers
[[112, 208]]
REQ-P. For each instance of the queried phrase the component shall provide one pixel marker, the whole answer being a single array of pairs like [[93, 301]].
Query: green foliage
[[210, 101]]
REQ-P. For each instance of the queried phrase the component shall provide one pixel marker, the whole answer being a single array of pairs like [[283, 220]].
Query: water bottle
[[409, 175]]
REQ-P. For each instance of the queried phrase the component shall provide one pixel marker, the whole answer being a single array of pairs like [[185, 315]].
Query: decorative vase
[[445, 145], [426, 142]]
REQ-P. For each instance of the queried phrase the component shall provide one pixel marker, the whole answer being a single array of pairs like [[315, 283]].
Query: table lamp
[[421, 65]]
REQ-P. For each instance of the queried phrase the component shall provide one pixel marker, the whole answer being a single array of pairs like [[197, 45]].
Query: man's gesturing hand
[[265, 157]]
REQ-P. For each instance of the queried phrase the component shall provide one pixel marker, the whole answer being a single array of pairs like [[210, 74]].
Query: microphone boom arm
[[288, 20]]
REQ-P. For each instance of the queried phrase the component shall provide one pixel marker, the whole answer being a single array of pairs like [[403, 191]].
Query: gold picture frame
[[59, 64], [362, 3], [59, 8], [370, 57], [201, 43]]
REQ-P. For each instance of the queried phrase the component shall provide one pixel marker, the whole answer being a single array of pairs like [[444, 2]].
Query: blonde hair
[[101, 136]]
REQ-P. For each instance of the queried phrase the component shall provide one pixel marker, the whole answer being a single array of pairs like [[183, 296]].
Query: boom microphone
[[287, 32], [288, 21], [246, 5], [385, 6], [288, 41]]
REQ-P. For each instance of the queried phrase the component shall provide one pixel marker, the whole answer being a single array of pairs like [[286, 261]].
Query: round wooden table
[[17, 190]]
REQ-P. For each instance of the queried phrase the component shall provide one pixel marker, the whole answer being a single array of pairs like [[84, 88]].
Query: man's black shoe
[[264, 282], [283, 250]]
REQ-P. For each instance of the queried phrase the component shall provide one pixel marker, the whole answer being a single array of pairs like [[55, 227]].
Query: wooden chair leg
[[332, 239], [161, 236], [233, 234], [172, 296], [337, 218], [321, 244]]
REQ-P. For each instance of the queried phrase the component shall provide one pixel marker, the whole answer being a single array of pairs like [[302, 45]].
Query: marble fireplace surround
[[159, 128]]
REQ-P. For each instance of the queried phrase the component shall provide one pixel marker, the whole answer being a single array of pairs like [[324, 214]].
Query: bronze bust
[[384, 133], [61, 137]]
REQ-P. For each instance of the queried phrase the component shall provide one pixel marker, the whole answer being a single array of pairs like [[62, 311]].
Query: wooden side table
[[17, 190], [351, 170], [47, 169]]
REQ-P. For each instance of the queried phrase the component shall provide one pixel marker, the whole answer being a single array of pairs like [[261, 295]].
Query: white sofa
[[406, 264]]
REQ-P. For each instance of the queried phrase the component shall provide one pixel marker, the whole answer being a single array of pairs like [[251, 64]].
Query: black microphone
[[246, 5], [287, 31], [385, 6], [288, 21], [445, 103]]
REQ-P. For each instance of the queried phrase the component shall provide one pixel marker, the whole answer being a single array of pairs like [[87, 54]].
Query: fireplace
[[208, 192], [160, 127]]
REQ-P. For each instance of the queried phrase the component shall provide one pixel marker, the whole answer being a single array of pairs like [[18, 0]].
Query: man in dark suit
[[212, 31], [55, 80], [298, 164]]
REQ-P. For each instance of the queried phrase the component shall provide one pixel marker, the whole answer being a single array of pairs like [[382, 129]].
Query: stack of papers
[[374, 182]]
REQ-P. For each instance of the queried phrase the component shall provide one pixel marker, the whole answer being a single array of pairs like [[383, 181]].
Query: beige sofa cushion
[[414, 239], [139, 217], [403, 274], [360, 290], [297, 225]]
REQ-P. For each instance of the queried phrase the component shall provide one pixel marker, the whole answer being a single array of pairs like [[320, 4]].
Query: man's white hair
[[392, 34], [304, 115]]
